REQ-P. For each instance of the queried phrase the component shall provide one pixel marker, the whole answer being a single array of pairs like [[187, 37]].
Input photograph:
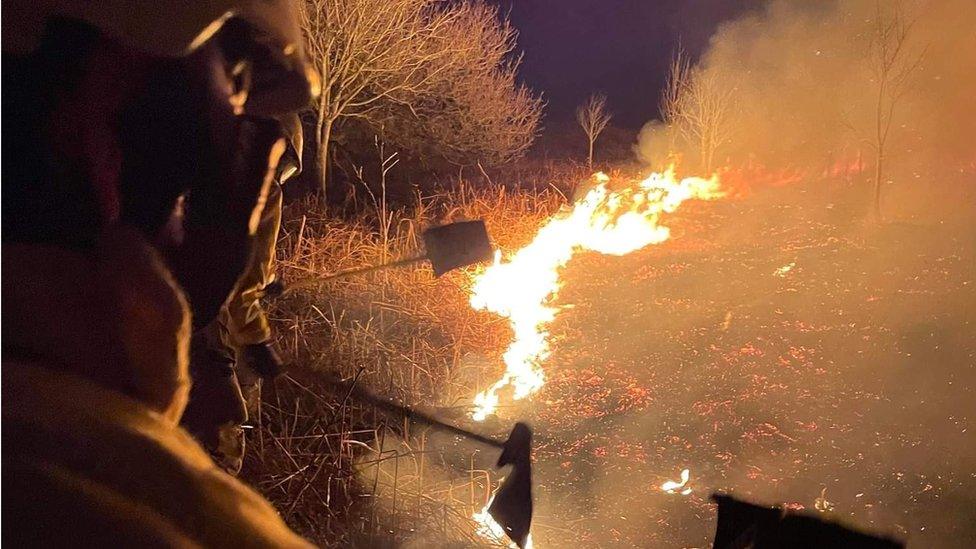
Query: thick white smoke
[[806, 89]]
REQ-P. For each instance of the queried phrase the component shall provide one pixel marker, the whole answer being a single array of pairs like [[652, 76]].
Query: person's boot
[[262, 359], [216, 412]]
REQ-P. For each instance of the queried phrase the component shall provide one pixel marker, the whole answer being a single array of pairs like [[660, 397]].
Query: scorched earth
[[779, 348]]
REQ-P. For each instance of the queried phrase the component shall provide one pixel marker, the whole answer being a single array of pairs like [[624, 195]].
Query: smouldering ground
[[850, 376]]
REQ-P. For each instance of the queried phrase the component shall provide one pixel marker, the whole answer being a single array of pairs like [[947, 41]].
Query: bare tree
[[679, 74], [383, 61], [593, 118], [366, 51], [475, 112], [892, 63], [699, 105]]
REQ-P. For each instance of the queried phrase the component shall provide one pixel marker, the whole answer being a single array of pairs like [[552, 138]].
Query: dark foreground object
[[742, 524], [457, 245], [512, 506], [449, 247]]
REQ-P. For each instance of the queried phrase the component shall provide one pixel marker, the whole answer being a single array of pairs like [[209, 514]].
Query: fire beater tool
[[450, 247], [447, 247], [511, 507]]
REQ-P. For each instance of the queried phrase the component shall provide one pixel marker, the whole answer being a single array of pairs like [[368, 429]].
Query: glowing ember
[[607, 221], [822, 504], [678, 487], [784, 270]]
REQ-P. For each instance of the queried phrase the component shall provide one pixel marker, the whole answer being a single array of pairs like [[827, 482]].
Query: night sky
[[618, 47]]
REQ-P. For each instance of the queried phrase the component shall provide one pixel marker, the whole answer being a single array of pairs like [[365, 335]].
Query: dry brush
[[340, 471]]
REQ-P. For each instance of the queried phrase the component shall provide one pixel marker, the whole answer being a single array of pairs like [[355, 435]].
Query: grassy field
[[778, 346]]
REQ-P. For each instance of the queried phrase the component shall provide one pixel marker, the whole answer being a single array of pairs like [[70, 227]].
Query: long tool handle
[[363, 395], [314, 282]]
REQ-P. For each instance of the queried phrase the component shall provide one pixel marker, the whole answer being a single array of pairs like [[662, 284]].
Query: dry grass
[[339, 471]]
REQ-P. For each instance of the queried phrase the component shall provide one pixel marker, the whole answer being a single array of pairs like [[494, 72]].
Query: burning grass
[[340, 472], [776, 347], [614, 221]]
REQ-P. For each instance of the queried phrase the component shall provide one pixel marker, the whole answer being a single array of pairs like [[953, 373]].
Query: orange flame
[[680, 486], [521, 289]]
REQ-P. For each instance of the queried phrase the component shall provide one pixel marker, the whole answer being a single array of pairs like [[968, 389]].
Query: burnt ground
[[850, 378]]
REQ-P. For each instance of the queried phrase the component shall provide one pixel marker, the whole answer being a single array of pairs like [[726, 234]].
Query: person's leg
[[217, 409], [247, 322]]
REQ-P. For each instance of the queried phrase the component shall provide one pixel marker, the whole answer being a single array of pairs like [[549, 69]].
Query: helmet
[[175, 28], [290, 164]]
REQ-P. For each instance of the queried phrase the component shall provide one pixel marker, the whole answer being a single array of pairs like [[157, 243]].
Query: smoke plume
[[805, 90]]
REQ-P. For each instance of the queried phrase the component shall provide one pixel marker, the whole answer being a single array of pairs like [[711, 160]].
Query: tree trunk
[[589, 157], [878, 174], [880, 139], [706, 160], [323, 132], [325, 137]]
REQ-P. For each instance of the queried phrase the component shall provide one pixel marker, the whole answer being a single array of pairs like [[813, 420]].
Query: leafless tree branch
[[593, 117], [438, 72], [699, 106]]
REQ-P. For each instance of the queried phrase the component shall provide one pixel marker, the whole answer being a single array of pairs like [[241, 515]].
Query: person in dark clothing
[[137, 137], [233, 355]]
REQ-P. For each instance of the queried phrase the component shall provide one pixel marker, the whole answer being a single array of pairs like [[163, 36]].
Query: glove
[[275, 289], [262, 359]]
